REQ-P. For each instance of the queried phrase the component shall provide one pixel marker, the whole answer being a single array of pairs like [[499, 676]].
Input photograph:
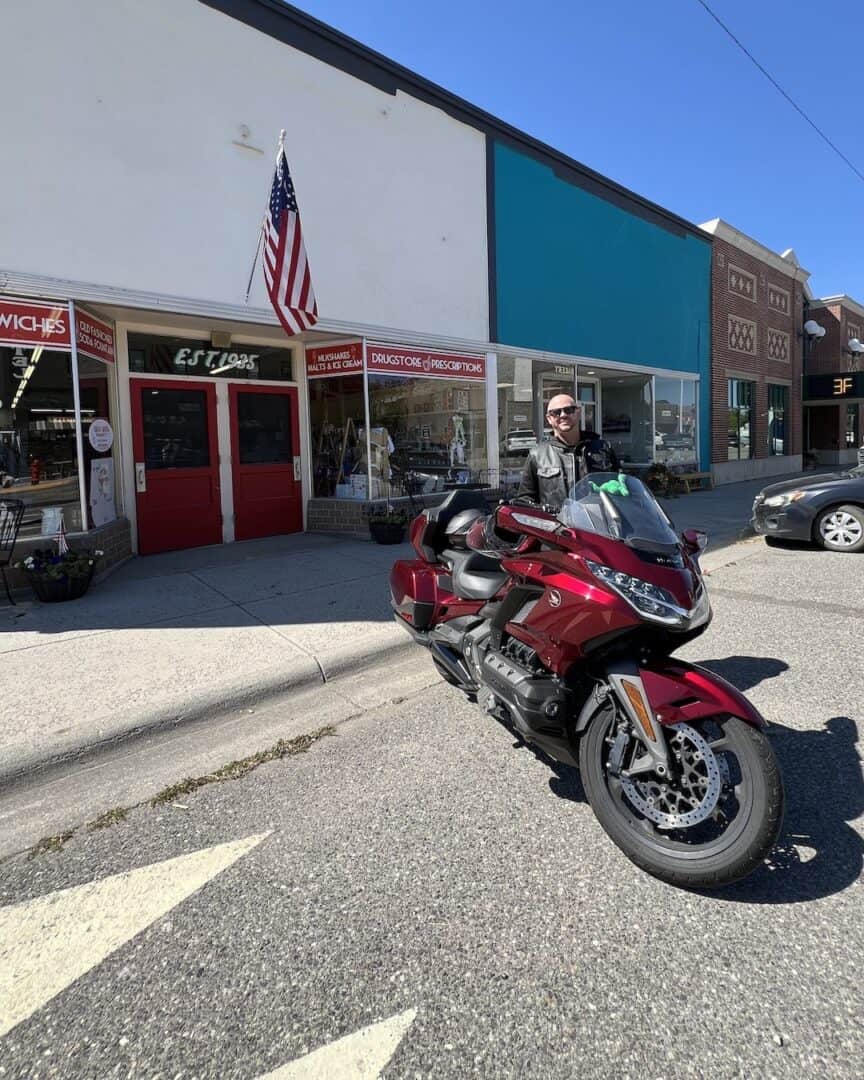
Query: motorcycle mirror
[[695, 539]]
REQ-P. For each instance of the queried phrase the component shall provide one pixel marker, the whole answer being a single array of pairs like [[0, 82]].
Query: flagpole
[[279, 151]]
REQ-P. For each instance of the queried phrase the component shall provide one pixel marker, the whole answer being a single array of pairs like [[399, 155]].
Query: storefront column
[[226, 484], [492, 447], [76, 403], [367, 422]]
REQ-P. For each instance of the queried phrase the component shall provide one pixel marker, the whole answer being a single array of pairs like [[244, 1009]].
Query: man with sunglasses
[[555, 465]]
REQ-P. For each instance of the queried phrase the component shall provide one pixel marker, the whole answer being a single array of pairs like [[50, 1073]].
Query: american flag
[[286, 270]]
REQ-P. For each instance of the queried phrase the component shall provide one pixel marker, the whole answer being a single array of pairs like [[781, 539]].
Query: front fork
[[630, 696]]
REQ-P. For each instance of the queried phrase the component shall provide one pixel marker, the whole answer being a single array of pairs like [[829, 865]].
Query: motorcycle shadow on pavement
[[818, 852]]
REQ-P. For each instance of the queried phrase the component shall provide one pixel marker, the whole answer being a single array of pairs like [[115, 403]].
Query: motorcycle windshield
[[619, 507]]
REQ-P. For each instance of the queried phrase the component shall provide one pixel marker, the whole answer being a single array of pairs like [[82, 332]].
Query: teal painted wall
[[576, 274]]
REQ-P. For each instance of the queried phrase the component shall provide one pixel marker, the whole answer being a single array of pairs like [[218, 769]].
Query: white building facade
[[138, 167]]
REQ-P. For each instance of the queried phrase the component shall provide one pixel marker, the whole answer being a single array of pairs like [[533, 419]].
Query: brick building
[[757, 311], [834, 381]]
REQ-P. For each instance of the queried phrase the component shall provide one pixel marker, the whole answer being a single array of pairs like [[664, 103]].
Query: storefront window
[[427, 434], [525, 387], [675, 421], [181, 356], [336, 409], [38, 452], [741, 398], [778, 410], [627, 416]]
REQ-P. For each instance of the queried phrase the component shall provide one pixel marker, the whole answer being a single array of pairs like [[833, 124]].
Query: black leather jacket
[[553, 468]]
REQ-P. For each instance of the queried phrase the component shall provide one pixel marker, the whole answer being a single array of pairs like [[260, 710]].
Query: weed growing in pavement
[[233, 770], [51, 843], [236, 770], [109, 818]]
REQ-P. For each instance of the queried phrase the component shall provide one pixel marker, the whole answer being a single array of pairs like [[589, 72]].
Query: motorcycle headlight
[[651, 601], [784, 499]]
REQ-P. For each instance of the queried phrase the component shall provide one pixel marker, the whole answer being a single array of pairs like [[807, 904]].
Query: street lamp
[[813, 330], [854, 348]]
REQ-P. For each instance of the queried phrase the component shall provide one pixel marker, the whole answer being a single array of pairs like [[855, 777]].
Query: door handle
[[297, 473], [140, 477]]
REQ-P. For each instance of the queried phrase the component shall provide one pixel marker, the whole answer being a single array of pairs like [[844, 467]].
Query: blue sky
[[653, 94]]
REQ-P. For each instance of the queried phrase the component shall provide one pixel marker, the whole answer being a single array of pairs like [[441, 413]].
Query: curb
[[328, 669], [322, 670]]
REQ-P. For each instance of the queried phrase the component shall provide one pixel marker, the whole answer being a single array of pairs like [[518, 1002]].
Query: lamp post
[[853, 349]]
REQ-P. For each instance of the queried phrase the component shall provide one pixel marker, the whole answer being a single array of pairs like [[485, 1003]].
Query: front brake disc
[[693, 795]]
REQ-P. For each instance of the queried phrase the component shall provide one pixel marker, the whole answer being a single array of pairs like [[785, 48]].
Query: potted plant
[[387, 524], [659, 479], [55, 577]]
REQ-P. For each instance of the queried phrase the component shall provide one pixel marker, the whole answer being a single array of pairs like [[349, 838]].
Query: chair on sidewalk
[[11, 513]]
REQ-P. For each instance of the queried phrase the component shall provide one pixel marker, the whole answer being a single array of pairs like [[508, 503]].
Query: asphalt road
[[416, 869]]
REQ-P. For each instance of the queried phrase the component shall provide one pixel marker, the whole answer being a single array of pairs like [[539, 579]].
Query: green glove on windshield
[[612, 487]]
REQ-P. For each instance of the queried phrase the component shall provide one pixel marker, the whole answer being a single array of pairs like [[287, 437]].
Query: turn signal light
[[635, 698]]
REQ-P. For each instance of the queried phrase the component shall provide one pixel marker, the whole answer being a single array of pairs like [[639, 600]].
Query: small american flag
[[286, 270], [62, 543]]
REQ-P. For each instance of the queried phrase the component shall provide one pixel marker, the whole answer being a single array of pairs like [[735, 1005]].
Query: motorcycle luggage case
[[412, 592]]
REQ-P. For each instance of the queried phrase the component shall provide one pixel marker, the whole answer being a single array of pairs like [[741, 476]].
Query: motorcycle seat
[[475, 576]]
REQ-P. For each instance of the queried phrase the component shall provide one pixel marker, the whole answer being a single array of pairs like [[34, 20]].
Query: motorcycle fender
[[681, 692]]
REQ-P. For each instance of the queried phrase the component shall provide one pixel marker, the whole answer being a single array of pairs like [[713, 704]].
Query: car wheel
[[841, 528]]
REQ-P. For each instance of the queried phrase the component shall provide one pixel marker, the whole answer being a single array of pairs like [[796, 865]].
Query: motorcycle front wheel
[[710, 823]]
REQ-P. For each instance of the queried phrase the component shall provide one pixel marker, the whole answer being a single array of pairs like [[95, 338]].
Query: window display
[[435, 431], [778, 431], [427, 417], [336, 411], [741, 396], [38, 451], [675, 421], [628, 416], [524, 388]]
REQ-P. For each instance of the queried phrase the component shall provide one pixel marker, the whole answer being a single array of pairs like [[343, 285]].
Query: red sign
[[94, 337], [401, 360], [34, 322], [345, 359]]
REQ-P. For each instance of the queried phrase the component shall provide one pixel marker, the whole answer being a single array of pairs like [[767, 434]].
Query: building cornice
[[841, 301], [785, 264]]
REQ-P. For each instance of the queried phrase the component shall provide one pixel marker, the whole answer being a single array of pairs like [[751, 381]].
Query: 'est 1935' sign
[[215, 360]]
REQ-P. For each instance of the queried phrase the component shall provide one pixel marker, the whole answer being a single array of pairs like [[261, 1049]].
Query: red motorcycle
[[562, 626]]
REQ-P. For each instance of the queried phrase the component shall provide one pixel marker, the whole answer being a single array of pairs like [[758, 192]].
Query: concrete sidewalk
[[195, 633]]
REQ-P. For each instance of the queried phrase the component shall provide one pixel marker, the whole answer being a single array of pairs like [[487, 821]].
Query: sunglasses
[[568, 410]]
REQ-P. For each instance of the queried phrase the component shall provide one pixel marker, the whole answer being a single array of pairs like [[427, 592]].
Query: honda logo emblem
[[554, 598]]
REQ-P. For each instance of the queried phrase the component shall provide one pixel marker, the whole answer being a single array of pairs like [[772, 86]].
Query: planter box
[[51, 591], [387, 532]]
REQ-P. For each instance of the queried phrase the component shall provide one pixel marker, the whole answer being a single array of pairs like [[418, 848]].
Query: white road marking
[[48, 943], [360, 1056]]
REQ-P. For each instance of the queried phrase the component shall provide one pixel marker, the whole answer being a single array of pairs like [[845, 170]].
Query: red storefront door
[[265, 442], [176, 465]]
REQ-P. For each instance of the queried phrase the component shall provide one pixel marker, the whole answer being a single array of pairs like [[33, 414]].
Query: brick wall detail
[[756, 314]]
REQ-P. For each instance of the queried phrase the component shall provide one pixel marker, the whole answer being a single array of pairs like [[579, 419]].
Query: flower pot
[[54, 591], [387, 532]]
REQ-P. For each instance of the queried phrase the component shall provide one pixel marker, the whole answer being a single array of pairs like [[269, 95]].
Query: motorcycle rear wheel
[[724, 847]]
